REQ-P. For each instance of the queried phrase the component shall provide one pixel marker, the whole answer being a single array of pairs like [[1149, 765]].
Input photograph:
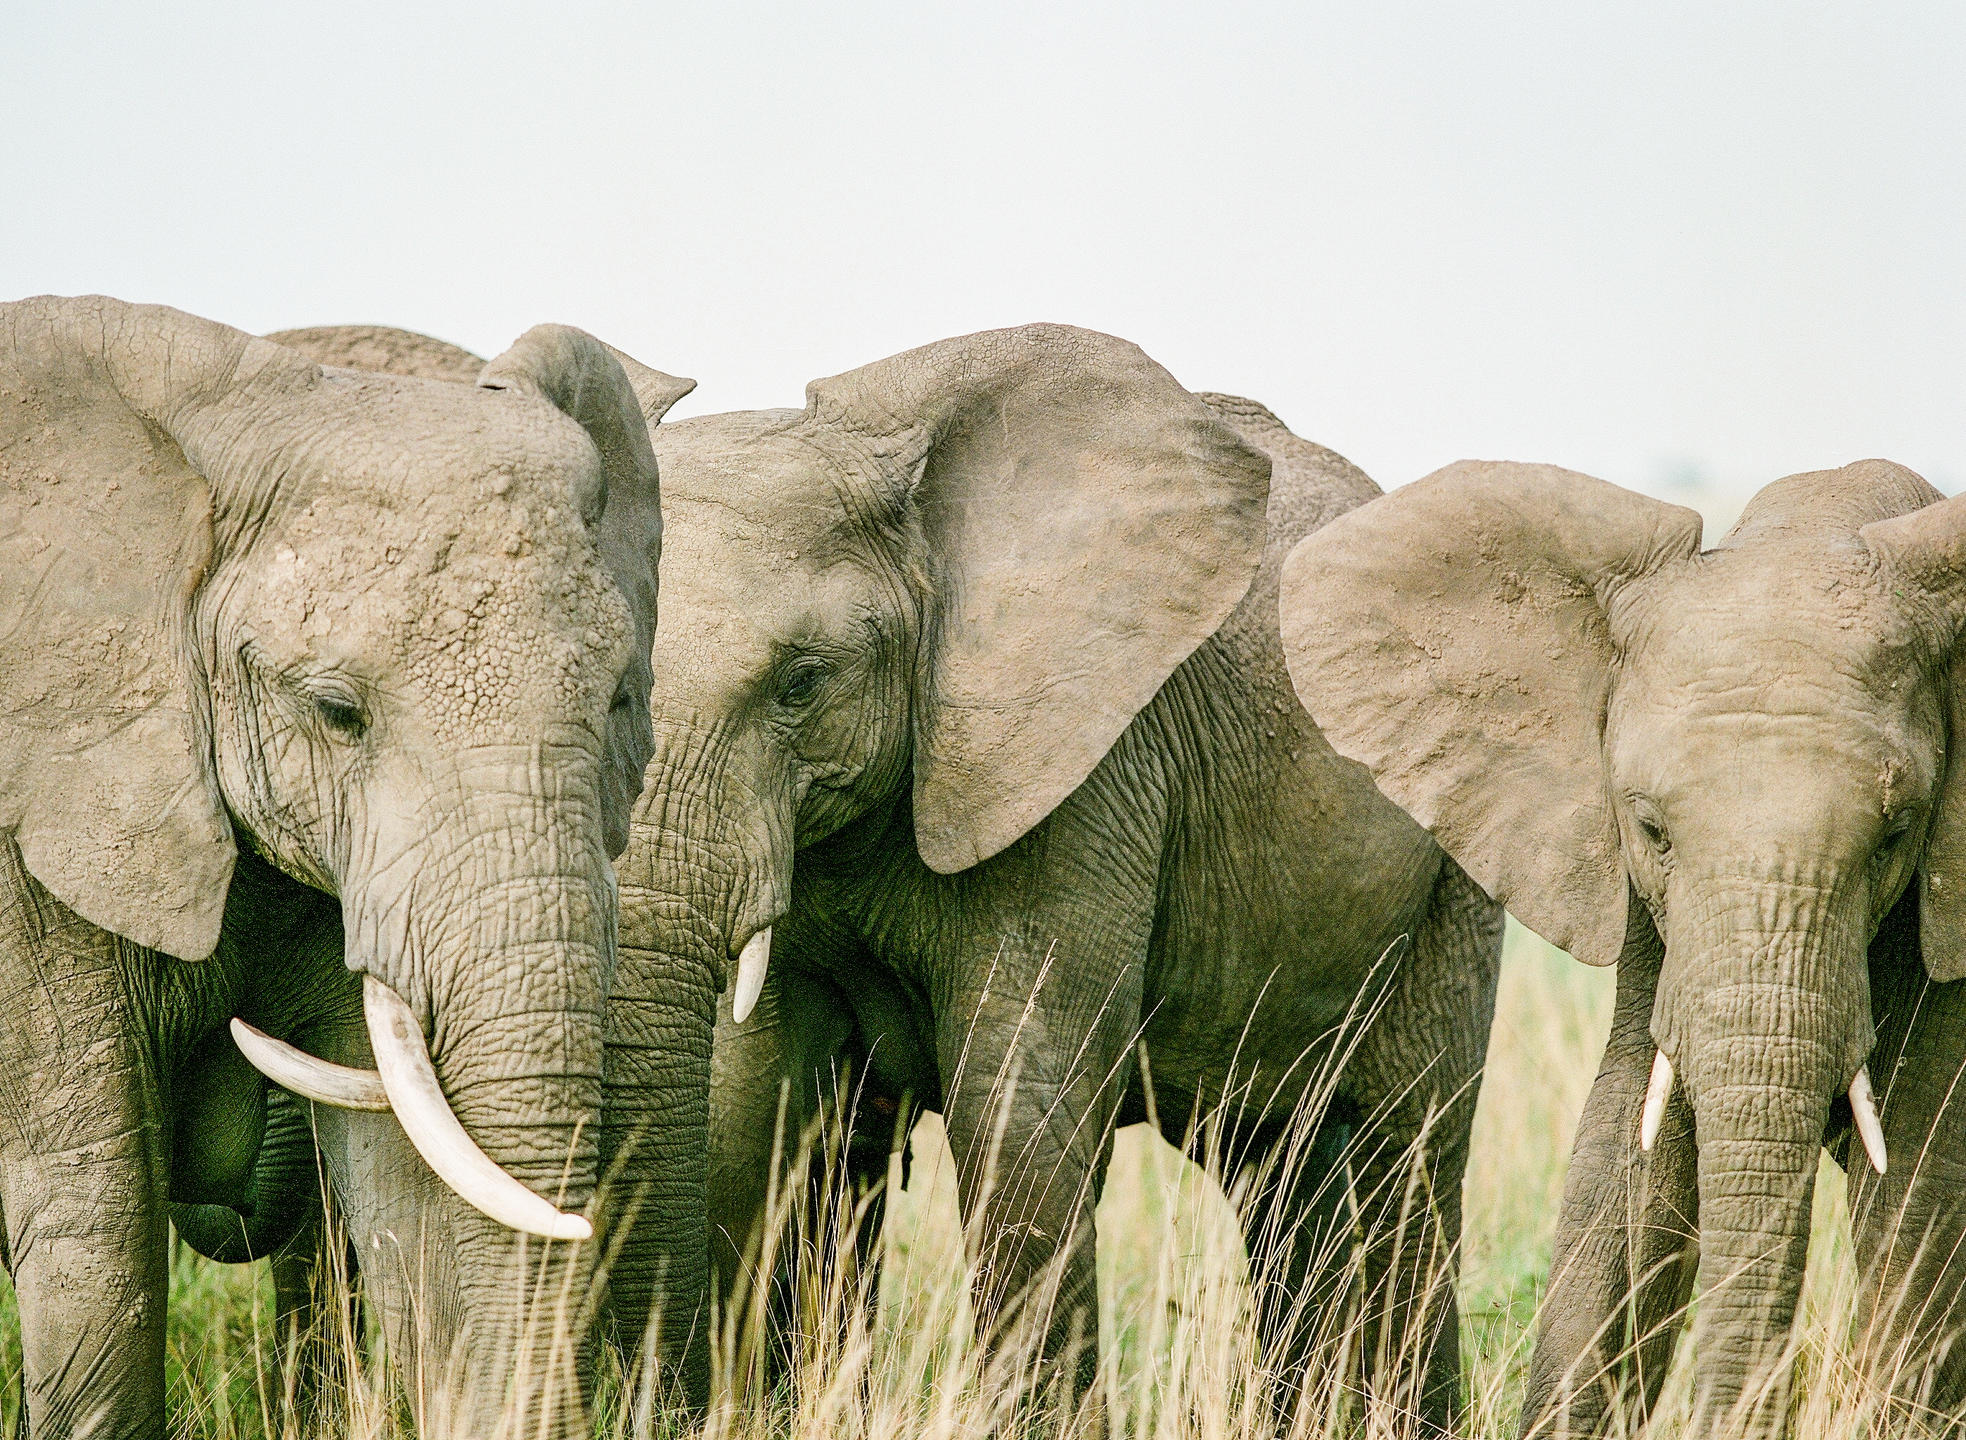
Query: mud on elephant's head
[[376, 628], [1741, 752]]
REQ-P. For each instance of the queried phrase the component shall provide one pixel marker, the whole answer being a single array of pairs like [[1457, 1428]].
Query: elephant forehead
[[1793, 620], [763, 468], [491, 611]]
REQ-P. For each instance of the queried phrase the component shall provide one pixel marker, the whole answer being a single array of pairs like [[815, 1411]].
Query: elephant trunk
[[485, 969], [709, 874], [1764, 1011]]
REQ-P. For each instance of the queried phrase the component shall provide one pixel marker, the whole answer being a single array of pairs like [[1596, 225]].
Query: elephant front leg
[[1627, 1238], [81, 1172], [1413, 1079], [1909, 1224], [1033, 1053]]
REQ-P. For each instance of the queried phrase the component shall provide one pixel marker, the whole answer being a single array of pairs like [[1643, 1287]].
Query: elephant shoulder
[[1242, 664], [1310, 484]]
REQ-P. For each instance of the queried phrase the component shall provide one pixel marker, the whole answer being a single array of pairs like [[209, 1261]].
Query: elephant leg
[[1034, 1039], [1413, 1079], [1909, 1224], [317, 1322], [772, 1078], [275, 1213], [877, 1157], [1627, 1240], [82, 1166], [1297, 1223]]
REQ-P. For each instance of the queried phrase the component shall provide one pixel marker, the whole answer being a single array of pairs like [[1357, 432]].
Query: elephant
[[325, 707], [1727, 772], [978, 773], [667, 1266]]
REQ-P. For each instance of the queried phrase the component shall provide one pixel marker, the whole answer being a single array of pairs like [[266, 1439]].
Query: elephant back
[[1310, 486], [383, 349]]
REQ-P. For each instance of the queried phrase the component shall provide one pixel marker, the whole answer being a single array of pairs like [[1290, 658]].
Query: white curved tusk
[[309, 1076], [1863, 1107], [1657, 1091], [752, 962], [403, 1059]]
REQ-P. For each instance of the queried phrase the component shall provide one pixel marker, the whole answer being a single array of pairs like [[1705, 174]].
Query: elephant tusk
[[403, 1059], [1863, 1107], [309, 1076], [1657, 1091], [751, 965]]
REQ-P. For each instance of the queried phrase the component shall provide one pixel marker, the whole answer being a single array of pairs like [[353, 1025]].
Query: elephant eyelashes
[[340, 712], [344, 719], [798, 683], [1895, 832], [1653, 828]]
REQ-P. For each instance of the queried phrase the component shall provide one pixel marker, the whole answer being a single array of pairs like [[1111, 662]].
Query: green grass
[[1179, 1355]]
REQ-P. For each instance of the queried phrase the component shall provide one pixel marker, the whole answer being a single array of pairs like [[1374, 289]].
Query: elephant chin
[[405, 1082]]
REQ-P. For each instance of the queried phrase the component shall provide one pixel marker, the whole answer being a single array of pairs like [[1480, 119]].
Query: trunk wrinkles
[[1764, 1008]]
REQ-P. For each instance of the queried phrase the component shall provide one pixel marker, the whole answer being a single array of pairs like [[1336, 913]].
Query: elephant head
[[1739, 752], [941, 590], [392, 634], [665, 1210]]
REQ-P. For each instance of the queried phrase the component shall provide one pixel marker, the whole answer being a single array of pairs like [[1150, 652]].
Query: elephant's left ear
[[616, 400], [1924, 556], [656, 391], [1091, 522]]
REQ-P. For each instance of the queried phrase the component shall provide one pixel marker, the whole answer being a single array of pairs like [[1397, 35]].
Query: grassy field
[[1178, 1352]]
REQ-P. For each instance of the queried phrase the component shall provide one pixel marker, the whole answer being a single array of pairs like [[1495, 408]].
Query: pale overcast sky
[[1653, 241]]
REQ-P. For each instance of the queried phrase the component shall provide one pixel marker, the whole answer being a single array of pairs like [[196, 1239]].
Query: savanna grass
[[1178, 1297]]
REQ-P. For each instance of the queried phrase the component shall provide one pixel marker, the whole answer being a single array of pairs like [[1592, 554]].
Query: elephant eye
[[341, 712], [1895, 830], [798, 683], [1652, 826]]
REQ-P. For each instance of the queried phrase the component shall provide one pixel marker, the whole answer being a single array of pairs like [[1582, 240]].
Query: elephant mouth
[[1863, 1110], [405, 1083]]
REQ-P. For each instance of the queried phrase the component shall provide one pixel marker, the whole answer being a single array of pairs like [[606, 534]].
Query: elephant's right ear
[[1925, 551], [1451, 636], [105, 533]]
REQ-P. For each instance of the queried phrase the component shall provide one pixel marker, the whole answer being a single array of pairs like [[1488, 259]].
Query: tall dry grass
[[1178, 1356]]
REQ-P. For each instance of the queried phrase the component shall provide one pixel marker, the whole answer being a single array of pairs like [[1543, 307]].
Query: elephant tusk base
[[1863, 1108], [309, 1076], [1657, 1091], [752, 963], [403, 1058]]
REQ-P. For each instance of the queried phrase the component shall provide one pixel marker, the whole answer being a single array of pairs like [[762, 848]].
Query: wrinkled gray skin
[[669, 1259], [390, 636], [986, 637], [1727, 772]]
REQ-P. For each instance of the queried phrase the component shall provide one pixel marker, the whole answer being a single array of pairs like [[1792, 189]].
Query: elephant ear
[[1451, 636], [105, 534], [1091, 523], [590, 382], [1924, 552], [656, 391]]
